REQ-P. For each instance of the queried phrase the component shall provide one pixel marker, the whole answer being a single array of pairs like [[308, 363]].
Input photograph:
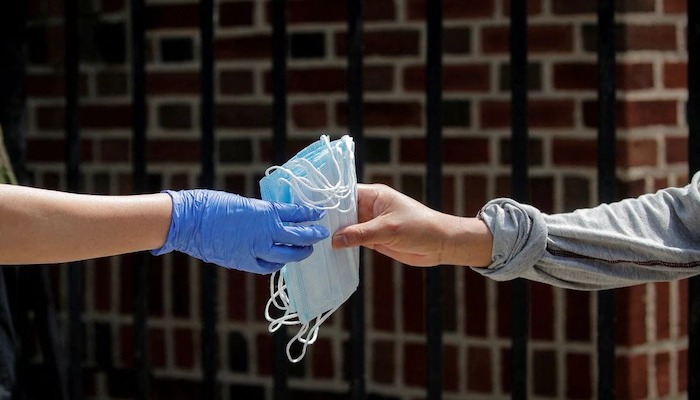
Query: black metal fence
[[355, 21]]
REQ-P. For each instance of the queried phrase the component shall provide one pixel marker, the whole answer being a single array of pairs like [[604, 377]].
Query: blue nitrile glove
[[239, 232]]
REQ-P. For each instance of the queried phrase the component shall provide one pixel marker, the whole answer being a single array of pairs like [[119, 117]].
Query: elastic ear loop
[[311, 336], [338, 192], [288, 318]]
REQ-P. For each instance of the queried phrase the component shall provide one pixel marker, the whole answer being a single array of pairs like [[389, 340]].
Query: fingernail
[[340, 241]]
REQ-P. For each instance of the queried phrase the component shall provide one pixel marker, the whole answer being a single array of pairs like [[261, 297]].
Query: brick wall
[[651, 154]]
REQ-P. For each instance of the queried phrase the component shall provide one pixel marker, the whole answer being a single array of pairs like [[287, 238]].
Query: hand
[[239, 232], [408, 231]]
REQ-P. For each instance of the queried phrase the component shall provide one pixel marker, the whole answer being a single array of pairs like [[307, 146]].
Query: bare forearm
[[42, 226]]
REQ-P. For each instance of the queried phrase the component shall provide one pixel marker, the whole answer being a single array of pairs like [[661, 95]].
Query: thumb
[[364, 234]]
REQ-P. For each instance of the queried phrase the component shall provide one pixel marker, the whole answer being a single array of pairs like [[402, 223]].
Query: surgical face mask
[[306, 293]]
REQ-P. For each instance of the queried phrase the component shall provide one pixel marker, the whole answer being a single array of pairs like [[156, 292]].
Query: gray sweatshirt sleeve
[[655, 237]]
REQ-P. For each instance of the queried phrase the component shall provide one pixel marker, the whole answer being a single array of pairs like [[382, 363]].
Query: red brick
[[504, 293], [474, 196], [550, 39], [114, 150], [636, 153], [663, 373], [243, 115], [184, 348], [545, 380], [383, 365], [506, 370], [475, 305], [312, 80], [52, 85], [636, 114], [385, 113], [578, 315], [321, 11], [264, 350], [551, 113], [494, 114], [383, 293], [236, 296], [236, 82], [322, 365], [576, 76], [533, 7], [541, 39], [683, 307], [172, 16], [126, 341], [676, 75], [682, 370], [236, 14], [261, 295], [635, 76], [253, 47], [413, 306], [454, 9], [156, 347], [455, 78], [586, 7], [156, 306], [650, 37], [378, 78], [451, 375], [102, 286], [542, 310], [578, 376], [91, 116], [455, 151], [632, 378], [676, 149], [631, 316], [448, 206], [174, 151], [397, 42], [414, 370], [574, 152], [172, 83], [181, 296], [109, 6], [479, 368], [675, 6], [54, 150], [310, 115]]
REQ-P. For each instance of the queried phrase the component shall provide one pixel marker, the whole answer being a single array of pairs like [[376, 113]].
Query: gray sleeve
[[655, 237]]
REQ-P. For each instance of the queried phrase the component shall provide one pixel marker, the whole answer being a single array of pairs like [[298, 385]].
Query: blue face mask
[[308, 292]]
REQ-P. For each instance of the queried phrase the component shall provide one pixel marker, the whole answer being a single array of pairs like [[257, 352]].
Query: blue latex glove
[[239, 232]]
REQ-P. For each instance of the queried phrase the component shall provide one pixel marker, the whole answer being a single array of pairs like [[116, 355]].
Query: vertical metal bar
[[139, 175], [433, 109], [519, 185], [279, 138], [356, 129], [693, 115], [209, 279], [72, 127], [606, 186]]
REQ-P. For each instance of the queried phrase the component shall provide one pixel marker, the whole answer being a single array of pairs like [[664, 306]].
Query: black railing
[[519, 160]]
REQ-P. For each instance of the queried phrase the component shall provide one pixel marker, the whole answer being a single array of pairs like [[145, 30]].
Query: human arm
[[46, 226], [408, 231], [43, 226]]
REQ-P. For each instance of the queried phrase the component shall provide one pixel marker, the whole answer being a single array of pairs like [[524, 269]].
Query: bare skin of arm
[[409, 232], [45, 226]]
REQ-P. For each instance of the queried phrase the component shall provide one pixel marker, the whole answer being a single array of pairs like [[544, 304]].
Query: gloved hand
[[240, 232]]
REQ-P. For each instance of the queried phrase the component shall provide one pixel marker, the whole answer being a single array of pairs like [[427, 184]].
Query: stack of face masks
[[308, 292]]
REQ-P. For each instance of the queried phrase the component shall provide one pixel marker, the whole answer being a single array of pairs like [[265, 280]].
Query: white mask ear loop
[[310, 337], [288, 318], [337, 191]]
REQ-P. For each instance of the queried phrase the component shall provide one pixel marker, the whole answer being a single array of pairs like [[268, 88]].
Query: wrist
[[469, 242]]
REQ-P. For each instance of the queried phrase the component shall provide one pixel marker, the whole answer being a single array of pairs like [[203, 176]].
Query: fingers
[[364, 234], [267, 267], [299, 235], [297, 213], [283, 254]]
